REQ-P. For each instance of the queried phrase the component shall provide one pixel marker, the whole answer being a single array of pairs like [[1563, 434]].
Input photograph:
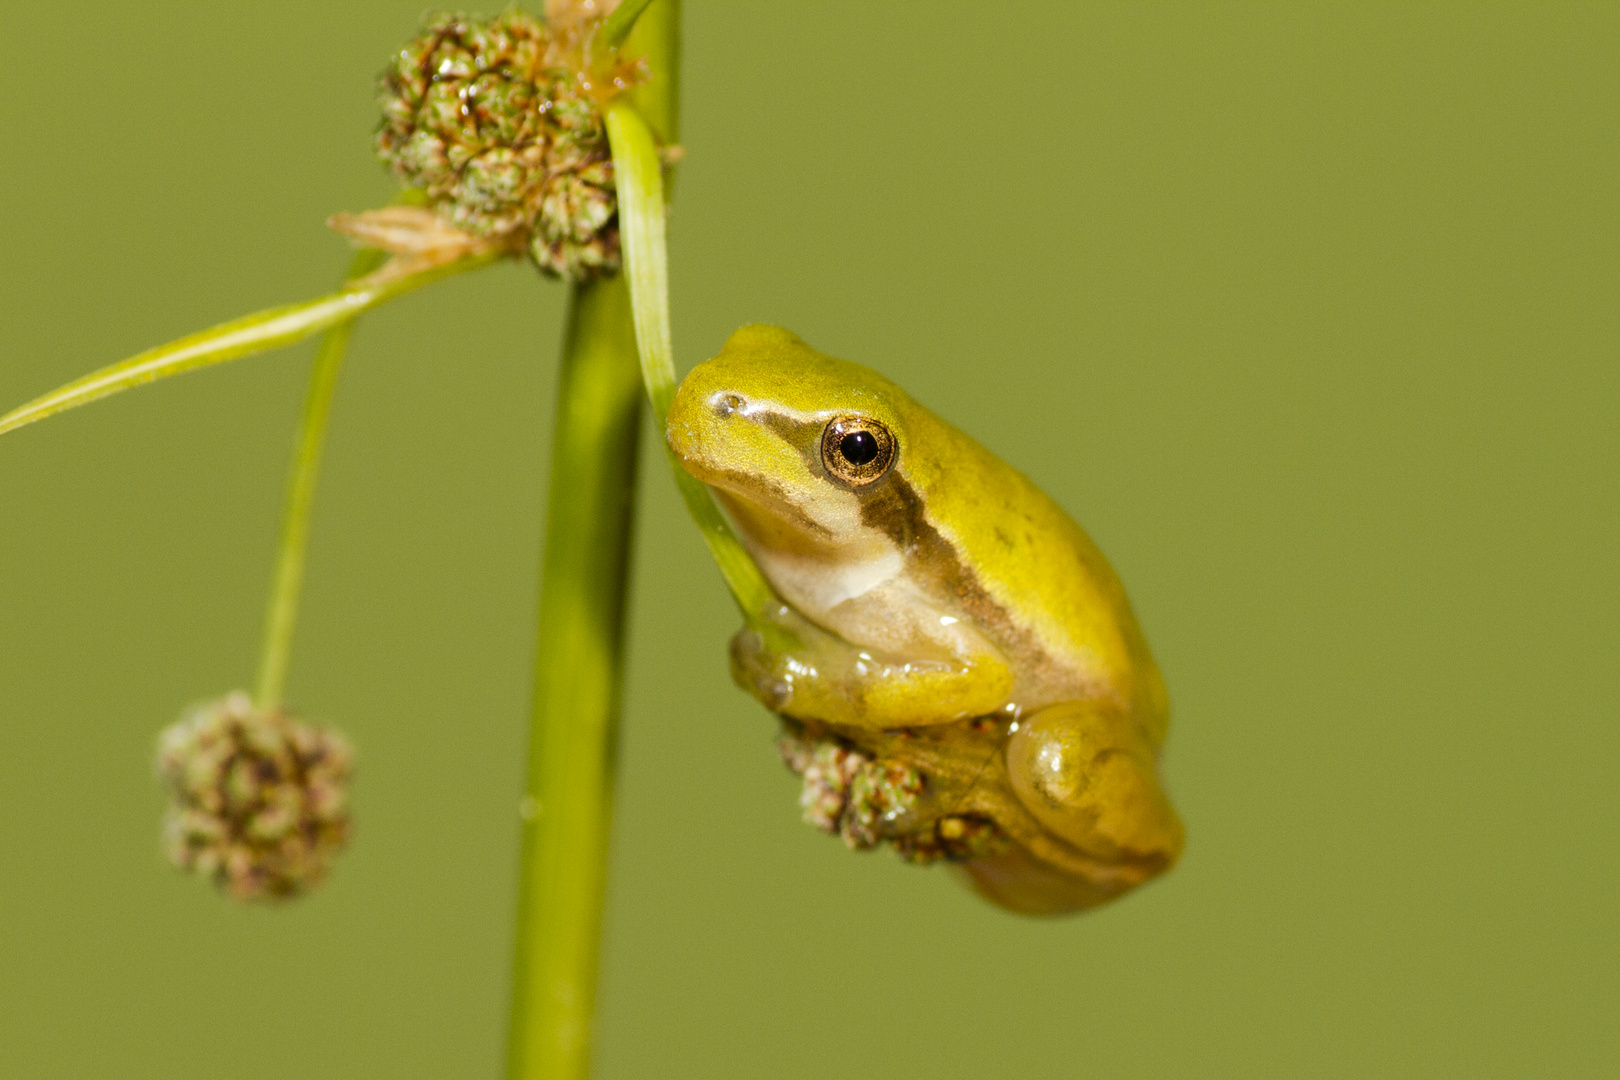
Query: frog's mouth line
[[735, 486], [768, 497]]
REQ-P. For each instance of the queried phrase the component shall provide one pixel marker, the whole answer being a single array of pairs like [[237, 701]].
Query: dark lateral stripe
[[892, 506]]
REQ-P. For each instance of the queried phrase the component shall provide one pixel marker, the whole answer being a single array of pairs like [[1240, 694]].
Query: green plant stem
[[281, 613], [260, 332], [568, 805]]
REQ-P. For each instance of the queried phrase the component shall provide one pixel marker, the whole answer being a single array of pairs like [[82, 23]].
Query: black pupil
[[859, 448]]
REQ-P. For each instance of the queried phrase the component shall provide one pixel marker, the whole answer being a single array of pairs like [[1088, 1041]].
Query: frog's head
[[796, 444]]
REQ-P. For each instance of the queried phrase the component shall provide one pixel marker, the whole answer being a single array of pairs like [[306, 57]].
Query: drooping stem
[[568, 803], [281, 613]]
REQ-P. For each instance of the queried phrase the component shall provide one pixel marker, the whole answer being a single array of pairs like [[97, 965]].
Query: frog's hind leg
[[1089, 774], [824, 678]]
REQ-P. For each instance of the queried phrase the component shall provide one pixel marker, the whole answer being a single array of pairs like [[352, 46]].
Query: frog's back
[[1038, 584]]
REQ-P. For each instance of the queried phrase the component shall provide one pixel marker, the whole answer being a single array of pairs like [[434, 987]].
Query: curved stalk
[[639, 179], [281, 612], [256, 333]]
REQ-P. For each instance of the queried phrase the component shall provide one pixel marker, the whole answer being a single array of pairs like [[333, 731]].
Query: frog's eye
[[857, 450]]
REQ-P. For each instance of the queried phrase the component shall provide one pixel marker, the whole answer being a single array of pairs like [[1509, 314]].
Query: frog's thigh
[[912, 695], [1088, 774], [828, 681]]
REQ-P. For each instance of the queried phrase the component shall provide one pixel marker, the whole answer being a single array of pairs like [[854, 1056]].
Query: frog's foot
[[825, 678], [1018, 881], [1089, 775]]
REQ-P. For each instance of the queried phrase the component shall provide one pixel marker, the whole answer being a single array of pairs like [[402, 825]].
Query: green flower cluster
[[259, 802], [493, 118]]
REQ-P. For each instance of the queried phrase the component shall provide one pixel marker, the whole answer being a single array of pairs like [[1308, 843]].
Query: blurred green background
[[1308, 313]]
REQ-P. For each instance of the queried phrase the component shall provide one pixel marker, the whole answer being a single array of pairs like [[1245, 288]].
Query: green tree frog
[[964, 677]]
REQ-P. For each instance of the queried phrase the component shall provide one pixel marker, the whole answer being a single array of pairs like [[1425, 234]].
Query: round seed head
[[499, 120], [258, 800]]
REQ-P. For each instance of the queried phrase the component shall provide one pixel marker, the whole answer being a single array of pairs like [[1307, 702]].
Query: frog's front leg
[[807, 673], [1088, 773]]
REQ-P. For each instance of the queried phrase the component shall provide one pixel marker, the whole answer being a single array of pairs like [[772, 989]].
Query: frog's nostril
[[726, 404]]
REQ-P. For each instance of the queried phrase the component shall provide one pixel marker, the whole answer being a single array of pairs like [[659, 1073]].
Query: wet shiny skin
[[937, 588]]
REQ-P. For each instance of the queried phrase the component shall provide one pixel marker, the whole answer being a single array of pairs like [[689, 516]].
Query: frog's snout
[[697, 427]]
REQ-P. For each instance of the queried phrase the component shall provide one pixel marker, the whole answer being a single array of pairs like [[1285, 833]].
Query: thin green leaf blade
[[256, 333]]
